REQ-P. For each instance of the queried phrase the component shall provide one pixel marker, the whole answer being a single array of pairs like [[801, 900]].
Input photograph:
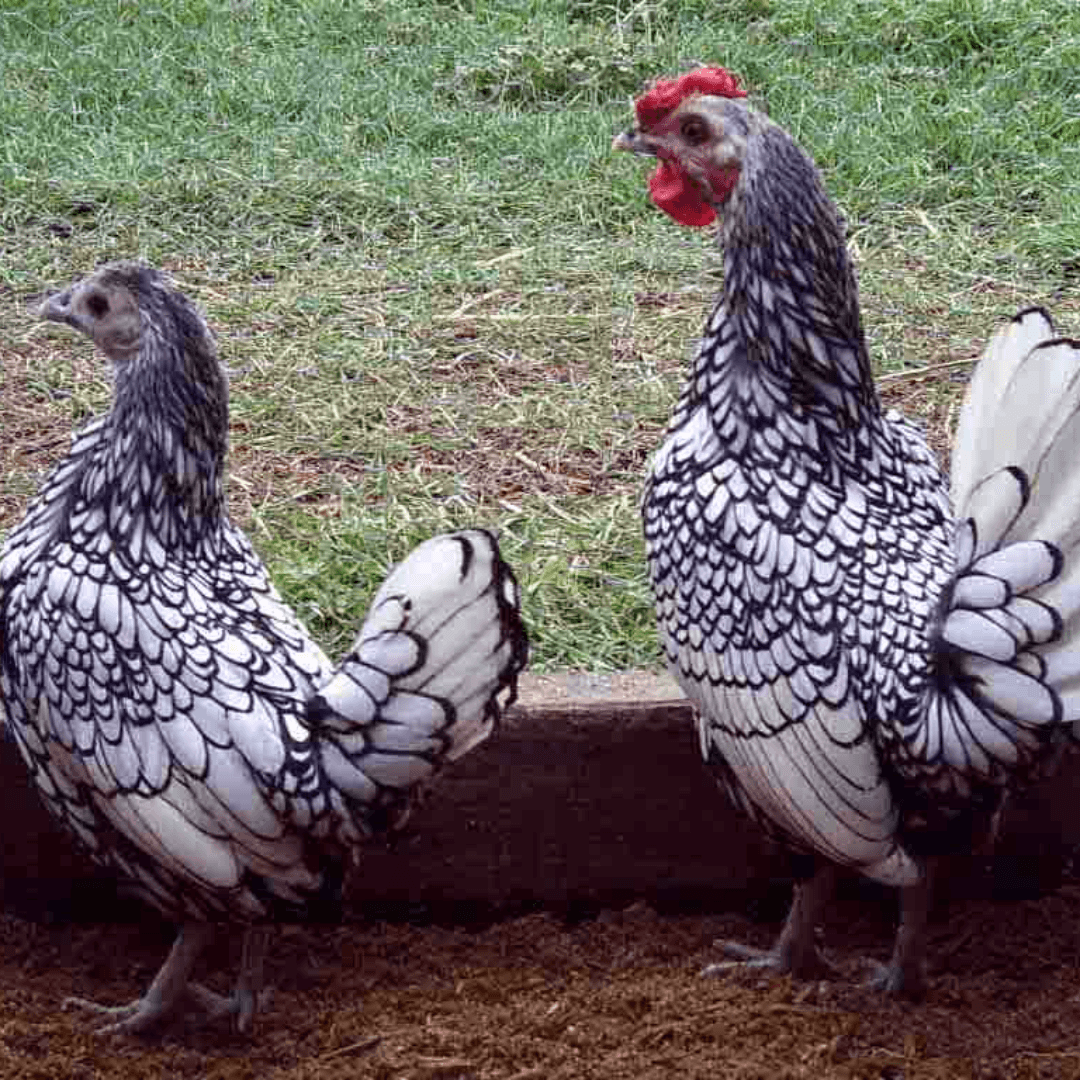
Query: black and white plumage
[[873, 660], [174, 713]]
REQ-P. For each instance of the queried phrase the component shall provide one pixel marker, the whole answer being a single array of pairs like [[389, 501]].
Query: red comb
[[665, 94]]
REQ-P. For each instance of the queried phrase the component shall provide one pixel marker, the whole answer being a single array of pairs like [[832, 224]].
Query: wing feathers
[[812, 779]]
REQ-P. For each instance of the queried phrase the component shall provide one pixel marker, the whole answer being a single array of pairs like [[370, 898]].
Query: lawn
[[444, 301]]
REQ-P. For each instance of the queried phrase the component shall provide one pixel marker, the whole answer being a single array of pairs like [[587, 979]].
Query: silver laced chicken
[[874, 659], [174, 713]]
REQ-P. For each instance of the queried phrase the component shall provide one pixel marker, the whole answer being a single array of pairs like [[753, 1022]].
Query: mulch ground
[[615, 997]]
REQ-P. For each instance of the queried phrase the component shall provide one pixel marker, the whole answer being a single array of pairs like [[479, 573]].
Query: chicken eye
[[694, 131], [97, 304]]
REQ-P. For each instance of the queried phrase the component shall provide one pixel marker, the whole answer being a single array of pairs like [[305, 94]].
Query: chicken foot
[[172, 987], [796, 952]]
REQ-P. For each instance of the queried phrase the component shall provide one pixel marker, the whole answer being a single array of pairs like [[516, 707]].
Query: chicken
[[175, 715], [874, 660]]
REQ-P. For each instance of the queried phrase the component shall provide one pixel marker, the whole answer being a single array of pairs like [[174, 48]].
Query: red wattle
[[677, 195]]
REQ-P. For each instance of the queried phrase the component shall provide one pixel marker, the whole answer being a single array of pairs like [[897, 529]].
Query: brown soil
[[617, 997]]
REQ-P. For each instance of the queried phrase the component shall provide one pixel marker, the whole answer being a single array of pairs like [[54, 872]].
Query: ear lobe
[[679, 197], [120, 336]]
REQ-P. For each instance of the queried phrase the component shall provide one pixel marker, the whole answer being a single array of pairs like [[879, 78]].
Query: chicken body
[[870, 671], [174, 713]]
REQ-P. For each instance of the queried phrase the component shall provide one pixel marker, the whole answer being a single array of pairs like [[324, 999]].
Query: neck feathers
[[142, 484], [786, 338], [161, 470]]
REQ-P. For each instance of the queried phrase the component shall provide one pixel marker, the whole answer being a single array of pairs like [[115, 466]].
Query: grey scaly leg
[[166, 992], [795, 952]]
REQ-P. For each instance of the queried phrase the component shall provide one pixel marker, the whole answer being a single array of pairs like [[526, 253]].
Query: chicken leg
[[905, 974], [166, 992], [795, 952], [172, 986]]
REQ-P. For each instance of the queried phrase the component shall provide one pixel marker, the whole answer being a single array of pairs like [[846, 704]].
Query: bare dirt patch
[[932, 401]]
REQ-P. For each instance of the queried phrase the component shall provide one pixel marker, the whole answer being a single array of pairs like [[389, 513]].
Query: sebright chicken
[[175, 715], [874, 659]]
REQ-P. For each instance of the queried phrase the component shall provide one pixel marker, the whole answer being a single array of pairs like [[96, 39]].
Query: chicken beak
[[635, 141], [58, 308]]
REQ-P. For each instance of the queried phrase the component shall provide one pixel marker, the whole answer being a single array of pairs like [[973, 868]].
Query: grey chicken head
[[164, 357], [126, 307], [105, 307]]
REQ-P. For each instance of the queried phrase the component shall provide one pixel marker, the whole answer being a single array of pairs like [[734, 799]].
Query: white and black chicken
[[175, 715], [874, 659]]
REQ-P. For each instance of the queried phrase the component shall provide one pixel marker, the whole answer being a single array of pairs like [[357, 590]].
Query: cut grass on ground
[[443, 300]]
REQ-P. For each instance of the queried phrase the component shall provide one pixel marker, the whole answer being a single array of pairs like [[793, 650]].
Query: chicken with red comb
[[875, 655]]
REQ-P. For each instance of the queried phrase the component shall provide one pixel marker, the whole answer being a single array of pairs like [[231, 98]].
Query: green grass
[[443, 299]]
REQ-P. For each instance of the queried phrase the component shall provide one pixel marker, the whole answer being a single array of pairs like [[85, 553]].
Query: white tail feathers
[[991, 705], [986, 429], [1006, 676], [434, 666], [1026, 483], [1016, 476]]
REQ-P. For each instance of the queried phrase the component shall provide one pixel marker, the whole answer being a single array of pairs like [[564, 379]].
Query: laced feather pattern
[[873, 661], [174, 713]]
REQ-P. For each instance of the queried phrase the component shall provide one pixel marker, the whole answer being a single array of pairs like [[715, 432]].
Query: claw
[[804, 963], [895, 981], [796, 952], [135, 1018]]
